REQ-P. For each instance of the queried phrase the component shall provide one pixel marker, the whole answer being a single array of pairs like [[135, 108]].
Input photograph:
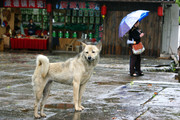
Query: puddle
[[135, 91], [111, 83], [112, 100], [24, 110], [60, 106]]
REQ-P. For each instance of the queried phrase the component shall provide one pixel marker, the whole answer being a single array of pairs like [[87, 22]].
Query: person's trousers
[[135, 64]]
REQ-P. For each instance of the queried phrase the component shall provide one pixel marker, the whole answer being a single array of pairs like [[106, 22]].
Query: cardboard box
[[1, 45], [6, 42]]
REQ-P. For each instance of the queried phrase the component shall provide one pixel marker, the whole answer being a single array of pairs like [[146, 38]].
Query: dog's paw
[[37, 116], [82, 107], [78, 109], [43, 115]]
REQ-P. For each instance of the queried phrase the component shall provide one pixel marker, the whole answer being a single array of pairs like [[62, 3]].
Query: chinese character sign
[[40, 4], [73, 4], [16, 3], [82, 5], [92, 5], [7, 3], [31, 4], [25, 3], [63, 4]]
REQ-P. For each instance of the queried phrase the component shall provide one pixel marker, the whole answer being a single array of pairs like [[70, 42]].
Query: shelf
[[34, 22], [58, 23]]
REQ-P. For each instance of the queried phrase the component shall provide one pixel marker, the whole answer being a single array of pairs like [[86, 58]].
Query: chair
[[70, 45]]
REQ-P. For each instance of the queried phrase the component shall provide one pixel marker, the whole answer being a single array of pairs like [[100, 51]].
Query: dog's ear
[[83, 45], [99, 46]]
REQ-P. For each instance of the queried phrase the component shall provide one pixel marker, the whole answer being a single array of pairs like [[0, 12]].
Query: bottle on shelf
[[67, 34], [54, 34], [74, 35], [90, 35], [85, 36], [60, 34]]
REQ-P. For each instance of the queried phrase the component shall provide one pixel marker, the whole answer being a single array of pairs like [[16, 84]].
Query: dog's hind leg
[[45, 96], [38, 95], [38, 90]]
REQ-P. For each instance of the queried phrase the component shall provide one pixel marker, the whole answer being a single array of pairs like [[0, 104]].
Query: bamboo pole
[[50, 32]]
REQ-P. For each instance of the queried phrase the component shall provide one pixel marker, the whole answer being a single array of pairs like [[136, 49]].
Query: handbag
[[138, 48]]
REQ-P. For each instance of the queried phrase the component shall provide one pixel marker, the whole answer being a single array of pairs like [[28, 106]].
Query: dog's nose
[[89, 58]]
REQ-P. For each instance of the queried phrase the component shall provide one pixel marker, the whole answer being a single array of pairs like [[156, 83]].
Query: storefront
[[15, 16], [72, 22]]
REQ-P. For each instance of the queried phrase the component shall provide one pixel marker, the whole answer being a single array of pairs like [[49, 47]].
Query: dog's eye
[[87, 52], [93, 51]]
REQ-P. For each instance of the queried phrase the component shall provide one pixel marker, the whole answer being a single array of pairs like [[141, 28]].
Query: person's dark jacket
[[134, 33], [31, 29]]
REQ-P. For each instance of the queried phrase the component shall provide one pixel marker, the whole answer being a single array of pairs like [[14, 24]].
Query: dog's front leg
[[76, 85], [81, 91]]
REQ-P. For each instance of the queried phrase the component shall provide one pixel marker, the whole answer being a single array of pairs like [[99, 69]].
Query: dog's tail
[[43, 62]]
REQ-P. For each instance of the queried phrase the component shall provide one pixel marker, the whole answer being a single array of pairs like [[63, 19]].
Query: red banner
[[82, 5], [63, 5], [25, 3], [73, 4], [92, 5]]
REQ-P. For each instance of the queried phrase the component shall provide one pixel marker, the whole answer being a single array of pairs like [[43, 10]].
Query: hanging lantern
[[103, 11], [49, 7], [160, 11]]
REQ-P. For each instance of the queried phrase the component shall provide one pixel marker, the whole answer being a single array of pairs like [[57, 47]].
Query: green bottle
[[54, 34], [67, 34], [60, 34], [74, 35], [90, 35]]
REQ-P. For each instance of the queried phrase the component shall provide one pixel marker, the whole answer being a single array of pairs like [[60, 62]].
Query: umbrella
[[129, 20]]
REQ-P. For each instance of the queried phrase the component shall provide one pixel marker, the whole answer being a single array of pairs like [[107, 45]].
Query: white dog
[[76, 71]]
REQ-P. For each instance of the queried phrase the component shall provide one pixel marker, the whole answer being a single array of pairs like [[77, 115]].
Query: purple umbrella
[[128, 21]]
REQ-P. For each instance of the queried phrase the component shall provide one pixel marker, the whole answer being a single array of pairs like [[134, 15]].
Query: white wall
[[170, 29], [179, 37]]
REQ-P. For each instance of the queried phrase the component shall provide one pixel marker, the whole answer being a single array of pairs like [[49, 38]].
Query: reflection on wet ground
[[110, 93], [59, 106]]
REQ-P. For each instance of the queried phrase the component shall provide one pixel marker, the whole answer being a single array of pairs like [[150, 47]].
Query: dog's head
[[91, 52]]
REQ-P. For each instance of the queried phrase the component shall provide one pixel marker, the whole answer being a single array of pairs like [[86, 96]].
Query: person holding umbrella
[[130, 23], [135, 35]]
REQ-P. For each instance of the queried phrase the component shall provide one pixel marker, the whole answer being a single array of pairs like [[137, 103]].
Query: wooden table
[[27, 43]]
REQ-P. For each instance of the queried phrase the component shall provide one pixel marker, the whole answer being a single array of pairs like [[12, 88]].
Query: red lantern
[[49, 7], [103, 11], [160, 11]]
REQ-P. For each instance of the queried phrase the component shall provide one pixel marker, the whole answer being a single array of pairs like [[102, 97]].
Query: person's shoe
[[134, 75], [141, 74]]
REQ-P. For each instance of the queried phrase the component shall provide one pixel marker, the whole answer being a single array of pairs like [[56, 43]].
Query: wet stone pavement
[[111, 94]]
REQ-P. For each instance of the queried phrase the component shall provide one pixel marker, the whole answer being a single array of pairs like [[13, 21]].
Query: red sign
[[41, 3], [63, 4], [82, 5], [16, 3], [25, 3], [92, 5], [32, 4], [73, 4]]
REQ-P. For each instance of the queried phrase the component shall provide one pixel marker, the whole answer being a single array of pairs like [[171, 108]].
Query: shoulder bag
[[138, 48]]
